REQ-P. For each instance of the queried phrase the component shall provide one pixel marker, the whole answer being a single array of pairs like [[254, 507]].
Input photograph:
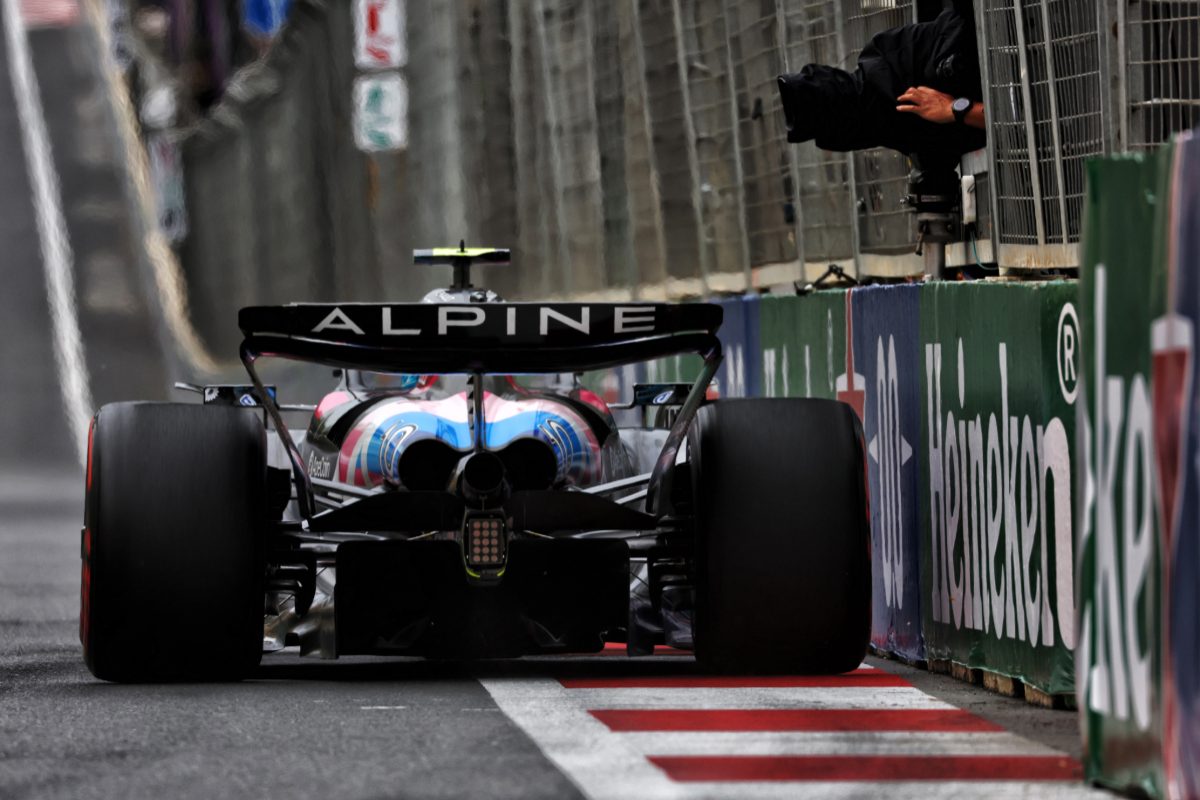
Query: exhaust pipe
[[481, 479]]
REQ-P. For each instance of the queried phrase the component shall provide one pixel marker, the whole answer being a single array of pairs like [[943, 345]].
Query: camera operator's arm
[[934, 106]]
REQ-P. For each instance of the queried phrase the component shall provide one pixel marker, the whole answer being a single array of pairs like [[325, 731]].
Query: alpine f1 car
[[447, 502]]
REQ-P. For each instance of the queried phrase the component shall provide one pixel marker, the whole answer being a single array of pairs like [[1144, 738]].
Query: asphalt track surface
[[602, 726]]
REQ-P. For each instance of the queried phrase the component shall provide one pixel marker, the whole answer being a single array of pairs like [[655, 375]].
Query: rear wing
[[479, 338], [482, 338]]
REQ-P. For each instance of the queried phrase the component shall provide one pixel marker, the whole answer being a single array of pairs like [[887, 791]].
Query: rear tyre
[[783, 579], [173, 543]]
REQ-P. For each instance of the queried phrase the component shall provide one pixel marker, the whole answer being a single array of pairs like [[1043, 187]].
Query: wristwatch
[[961, 107]]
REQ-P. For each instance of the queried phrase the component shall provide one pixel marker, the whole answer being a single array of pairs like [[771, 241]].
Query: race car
[[461, 493]]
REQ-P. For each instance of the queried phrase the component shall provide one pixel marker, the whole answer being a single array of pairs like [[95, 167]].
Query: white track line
[[600, 764], [890, 697], [850, 743], [604, 764], [57, 259]]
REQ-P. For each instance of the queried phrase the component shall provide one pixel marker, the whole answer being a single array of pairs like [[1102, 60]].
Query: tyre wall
[[1139, 669]]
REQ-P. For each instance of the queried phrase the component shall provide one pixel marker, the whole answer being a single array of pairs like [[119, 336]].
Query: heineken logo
[[1117, 431], [999, 511]]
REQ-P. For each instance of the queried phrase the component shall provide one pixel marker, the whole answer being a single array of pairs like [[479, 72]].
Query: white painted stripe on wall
[[57, 259], [889, 697], [856, 743]]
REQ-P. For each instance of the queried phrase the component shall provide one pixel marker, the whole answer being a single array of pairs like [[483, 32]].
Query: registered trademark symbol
[[1067, 352]]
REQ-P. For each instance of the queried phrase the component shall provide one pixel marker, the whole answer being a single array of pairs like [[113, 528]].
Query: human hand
[[928, 104]]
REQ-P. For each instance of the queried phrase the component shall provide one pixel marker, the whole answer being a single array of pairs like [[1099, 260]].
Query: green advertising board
[[803, 341], [999, 379], [1119, 671]]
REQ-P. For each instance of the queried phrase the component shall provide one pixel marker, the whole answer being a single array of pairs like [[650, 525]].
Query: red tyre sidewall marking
[[85, 589]]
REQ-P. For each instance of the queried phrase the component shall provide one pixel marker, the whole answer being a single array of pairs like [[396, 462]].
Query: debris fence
[[637, 147]]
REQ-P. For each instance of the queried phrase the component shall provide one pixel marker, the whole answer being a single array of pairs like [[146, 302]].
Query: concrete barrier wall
[[1177, 393], [805, 354], [803, 344], [1139, 668], [885, 331], [1120, 691], [996, 546], [966, 395]]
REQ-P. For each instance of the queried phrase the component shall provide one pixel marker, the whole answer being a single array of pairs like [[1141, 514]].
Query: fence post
[[1110, 22], [1052, 92], [562, 251], [611, 136], [887, 236], [1121, 112], [739, 167], [571, 90], [1030, 131], [983, 39], [851, 169], [637, 47], [793, 162], [689, 127]]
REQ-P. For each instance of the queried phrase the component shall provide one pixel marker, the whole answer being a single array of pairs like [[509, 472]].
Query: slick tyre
[[173, 543], [783, 579]]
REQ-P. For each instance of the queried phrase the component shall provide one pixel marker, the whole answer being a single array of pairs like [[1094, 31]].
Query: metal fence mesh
[[884, 223], [1078, 130], [638, 146], [642, 182], [1045, 114], [1164, 69], [620, 266], [568, 33], [1016, 215], [671, 135], [489, 155], [537, 231], [826, 204], [769, 190], [710, 99]]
